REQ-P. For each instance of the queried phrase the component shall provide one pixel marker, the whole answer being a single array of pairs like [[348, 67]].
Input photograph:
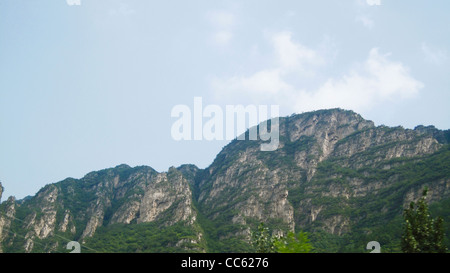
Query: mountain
[[334, 175]]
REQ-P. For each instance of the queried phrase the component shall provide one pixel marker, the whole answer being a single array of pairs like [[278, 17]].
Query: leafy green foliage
[[145, 237], [293, 243], [219, 236], [421, 232], [262, 241]]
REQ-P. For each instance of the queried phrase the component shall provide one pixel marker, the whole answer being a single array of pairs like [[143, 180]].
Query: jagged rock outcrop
[[334, 173], [121, 195], [319, 175], [168, 189], [7, 215]]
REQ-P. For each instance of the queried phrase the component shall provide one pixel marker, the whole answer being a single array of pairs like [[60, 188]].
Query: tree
[[293, 243], [262, 241], [421, 233]]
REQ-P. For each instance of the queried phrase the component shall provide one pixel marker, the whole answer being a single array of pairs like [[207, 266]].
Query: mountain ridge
[[327, 177]]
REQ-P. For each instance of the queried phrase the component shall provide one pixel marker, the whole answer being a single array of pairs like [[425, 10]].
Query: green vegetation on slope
[[145, 237]]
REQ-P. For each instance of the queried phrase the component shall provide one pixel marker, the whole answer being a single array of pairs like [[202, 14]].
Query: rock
[[331, 170], [6, 218]]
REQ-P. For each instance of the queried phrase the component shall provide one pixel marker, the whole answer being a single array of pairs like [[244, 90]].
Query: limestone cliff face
[[41, 223], [122, 195], [306, 140], [316, 173], [7, 215], [169, 189], [333, 172]]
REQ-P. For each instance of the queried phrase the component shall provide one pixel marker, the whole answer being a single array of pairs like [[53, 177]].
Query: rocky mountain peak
[[330, 119], [334, 174]]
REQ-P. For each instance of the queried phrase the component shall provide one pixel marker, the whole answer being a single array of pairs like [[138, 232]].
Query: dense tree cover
[[374, 217], [145, 237]]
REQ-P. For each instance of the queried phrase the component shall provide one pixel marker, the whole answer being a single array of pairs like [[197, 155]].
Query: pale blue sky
[[88, 87]]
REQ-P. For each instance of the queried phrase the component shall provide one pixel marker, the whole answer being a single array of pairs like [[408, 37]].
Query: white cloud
[[365, 12], [372, 82], [433, 55], [378, 80], [222, 37], [264, 83], [289, 58], [293, 55], [373, 2], [223, 23], [221, 19], [365, 20]]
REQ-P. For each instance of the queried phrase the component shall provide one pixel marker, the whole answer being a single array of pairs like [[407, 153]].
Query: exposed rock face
[[97, 213], [7, 215], [115, 196], [67, 223], [333, 172], [254, 185], [169, 189]]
